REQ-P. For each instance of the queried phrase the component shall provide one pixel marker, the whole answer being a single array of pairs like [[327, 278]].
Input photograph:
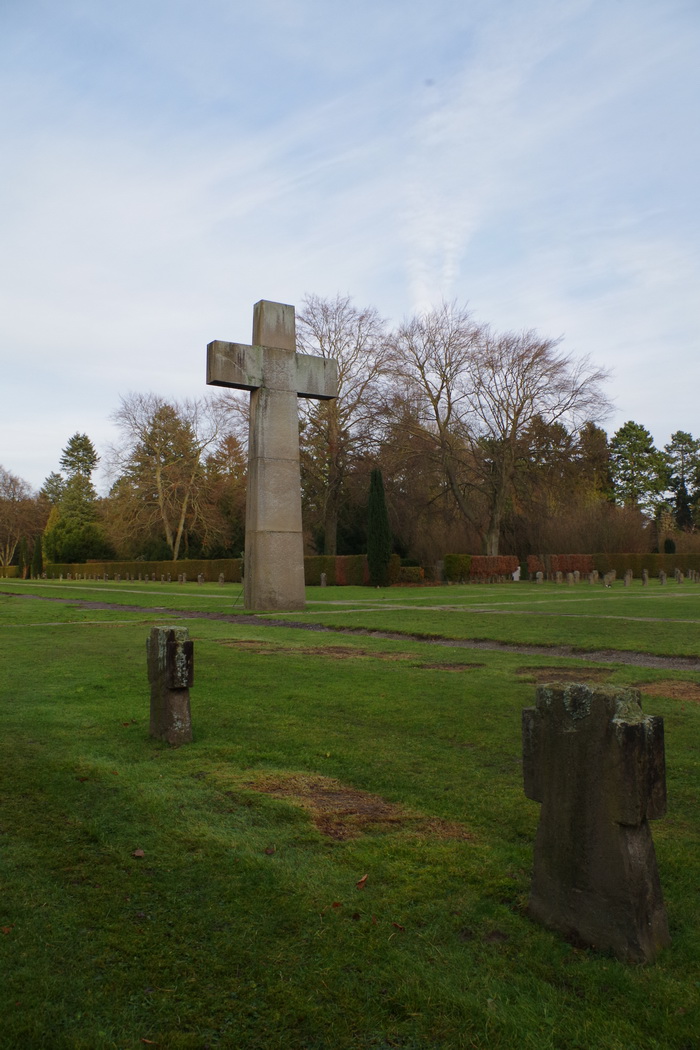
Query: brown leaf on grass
[[83, 779], [398, 926], [7, 929], [337, 904], [270, 850], [138, 853], [361, 884]]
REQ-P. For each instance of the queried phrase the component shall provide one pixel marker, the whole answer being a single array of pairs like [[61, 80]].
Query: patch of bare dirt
[[672, 690], [625, 657], [343, 812], [565, 674], [337, 652]]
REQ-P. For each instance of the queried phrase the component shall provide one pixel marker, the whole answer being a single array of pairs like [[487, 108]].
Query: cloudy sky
[[166, 163]]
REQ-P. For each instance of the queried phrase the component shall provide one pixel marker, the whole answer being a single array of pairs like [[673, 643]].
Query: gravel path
[[605, 656]]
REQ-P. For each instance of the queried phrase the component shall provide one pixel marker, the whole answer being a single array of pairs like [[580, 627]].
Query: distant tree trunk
[[37, 559], [378, 533], [330, 535]]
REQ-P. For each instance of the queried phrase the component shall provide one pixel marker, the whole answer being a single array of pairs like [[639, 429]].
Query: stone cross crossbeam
[[276, 376]]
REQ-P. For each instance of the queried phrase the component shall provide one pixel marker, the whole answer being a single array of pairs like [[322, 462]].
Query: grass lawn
[[318, 759]]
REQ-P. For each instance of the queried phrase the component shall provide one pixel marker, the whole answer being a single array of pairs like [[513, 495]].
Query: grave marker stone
[[170, 656], [276, 376], [596, 764]]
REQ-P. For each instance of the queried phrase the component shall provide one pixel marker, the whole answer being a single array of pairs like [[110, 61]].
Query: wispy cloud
[[165, 166]]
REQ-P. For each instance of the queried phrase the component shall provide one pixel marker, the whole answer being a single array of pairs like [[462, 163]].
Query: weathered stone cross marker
[[596, 763], [276, 376]]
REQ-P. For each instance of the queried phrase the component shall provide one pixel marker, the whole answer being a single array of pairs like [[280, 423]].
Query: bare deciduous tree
[[20, 514], [475, 393], [335, 432]]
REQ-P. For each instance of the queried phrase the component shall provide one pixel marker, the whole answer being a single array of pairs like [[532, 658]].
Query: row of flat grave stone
[[132, 578], [592, 760], [608, 578]]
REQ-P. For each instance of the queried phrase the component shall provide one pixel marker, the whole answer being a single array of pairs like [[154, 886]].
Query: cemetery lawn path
[[608, 655], [341, 860]]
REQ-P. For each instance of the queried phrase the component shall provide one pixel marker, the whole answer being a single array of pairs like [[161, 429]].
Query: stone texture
[[276, 376], [596, 764], [170, 660]]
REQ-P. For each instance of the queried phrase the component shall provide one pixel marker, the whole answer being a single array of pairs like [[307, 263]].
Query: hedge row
[[462, 567], [486, 565], [551, 563], [343, 570], [457, 567], [653, 563], [340, 570], [211, 569], [620, 563], [411, 574]]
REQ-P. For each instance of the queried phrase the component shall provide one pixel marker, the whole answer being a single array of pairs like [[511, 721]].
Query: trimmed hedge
[[352, 570], [340, 570], [457, 567], [484, 566], [192, 567], [411, 574], [653, 563], [461, 567], [316, 564], [582, 563], [552, 563]]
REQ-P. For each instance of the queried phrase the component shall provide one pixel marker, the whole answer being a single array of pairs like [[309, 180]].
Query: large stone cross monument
[[276, 376]]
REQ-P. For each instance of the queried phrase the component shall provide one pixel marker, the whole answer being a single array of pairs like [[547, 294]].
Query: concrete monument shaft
[[276, 376]]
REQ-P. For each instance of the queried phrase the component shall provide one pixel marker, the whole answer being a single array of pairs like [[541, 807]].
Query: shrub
[[457, 567], [653, 563], [535, 564], [394, 569], [351, 570], [582, 563], [210, 570], [484, 566], [411, 574], [315, 565]]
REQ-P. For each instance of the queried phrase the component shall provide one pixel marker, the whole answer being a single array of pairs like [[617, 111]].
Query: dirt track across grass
[[603, 656]]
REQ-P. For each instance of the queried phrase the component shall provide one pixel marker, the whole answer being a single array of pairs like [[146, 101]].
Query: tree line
[[486, 442]]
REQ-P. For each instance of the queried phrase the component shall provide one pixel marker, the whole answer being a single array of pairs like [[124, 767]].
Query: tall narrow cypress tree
[[378, 533]]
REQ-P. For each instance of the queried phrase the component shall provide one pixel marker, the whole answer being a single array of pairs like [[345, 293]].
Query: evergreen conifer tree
[[378, 533]]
